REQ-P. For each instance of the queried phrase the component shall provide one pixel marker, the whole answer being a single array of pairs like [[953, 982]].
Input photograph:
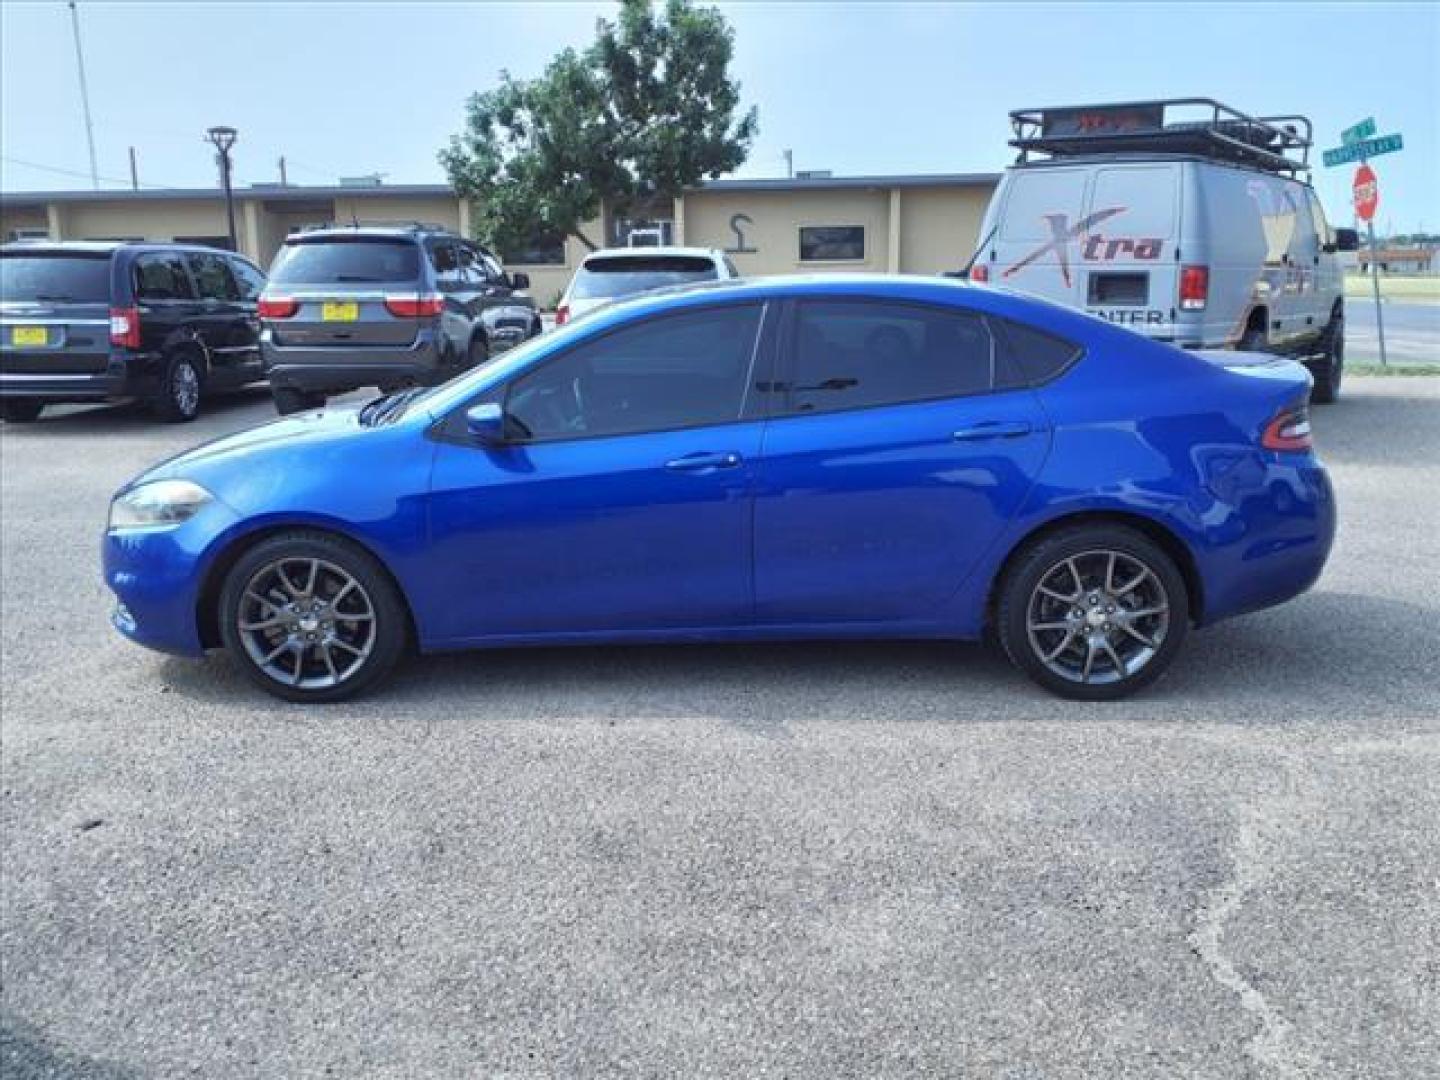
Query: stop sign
[[1366, 191]]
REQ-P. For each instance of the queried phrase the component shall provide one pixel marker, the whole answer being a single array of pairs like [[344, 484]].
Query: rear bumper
[[333, 369], [126, 375]]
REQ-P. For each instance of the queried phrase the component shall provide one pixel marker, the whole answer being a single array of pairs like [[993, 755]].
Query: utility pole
[[84, 96], [223, 138], [134, 172], [283, 181], [789, 163]]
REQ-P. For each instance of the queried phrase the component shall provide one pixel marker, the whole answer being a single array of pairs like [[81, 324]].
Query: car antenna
[[964, 271]]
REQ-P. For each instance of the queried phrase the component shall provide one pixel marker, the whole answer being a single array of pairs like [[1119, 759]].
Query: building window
[[38, 233], [832, 243], [540, 251]]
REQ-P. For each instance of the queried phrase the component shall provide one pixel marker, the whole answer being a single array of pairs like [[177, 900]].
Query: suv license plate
[[29, 336], [340, 311]]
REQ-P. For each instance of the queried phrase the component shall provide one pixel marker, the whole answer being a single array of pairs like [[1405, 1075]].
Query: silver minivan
[[1184, 220]]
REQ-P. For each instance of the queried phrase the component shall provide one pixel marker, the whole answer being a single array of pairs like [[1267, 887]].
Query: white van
[[1183, 220]]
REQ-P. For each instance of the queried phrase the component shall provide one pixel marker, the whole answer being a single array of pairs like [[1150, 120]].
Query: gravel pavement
[[813, 860]]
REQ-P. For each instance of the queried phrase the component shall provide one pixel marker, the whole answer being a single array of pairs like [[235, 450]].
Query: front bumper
[[157, 576]]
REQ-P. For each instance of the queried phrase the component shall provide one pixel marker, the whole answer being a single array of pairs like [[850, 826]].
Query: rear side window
[[161, 277], [676, 371], [344, 262], [212, 277], [621, 275], [60, 279], [1038, 357]]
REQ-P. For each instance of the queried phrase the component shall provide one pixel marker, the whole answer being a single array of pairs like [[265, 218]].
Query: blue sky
[[350, 88]]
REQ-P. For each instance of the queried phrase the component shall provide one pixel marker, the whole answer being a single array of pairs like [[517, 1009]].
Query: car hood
[[256, 444]]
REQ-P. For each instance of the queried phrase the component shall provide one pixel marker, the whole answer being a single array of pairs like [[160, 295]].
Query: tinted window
[[826, 243], [161, 277], [671, 372], [445, 258], [621, 275], [540, 251], [851, 354], [337, 262], [212, 277], [1037, 356], [57, 278], [250, 280]]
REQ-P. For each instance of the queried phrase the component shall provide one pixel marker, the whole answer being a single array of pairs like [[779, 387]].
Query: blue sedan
[[859, 457]]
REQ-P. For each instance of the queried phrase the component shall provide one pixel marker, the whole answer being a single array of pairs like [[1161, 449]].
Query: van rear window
[[34, 277], [356, 261]]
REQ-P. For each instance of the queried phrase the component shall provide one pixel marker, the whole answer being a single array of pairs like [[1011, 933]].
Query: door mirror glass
[[1346, 240], [519, 280], [486, 422]]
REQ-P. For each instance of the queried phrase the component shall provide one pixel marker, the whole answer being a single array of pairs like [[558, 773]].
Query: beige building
[[896, 224]]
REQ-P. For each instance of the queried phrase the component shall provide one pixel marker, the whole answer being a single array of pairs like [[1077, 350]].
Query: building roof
[[277, 193]]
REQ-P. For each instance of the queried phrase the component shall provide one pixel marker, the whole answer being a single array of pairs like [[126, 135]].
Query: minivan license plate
[[340, 311], [29, 336]]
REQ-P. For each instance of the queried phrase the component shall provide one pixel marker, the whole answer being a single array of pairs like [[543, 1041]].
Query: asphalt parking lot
[[858, 860]]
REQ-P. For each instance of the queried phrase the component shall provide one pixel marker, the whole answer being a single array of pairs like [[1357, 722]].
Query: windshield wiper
[[388, 406]]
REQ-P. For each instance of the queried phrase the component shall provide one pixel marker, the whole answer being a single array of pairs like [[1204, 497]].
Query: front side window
[[212, 276], [860, 354], [832, 243], [674, 371], [161, 277]]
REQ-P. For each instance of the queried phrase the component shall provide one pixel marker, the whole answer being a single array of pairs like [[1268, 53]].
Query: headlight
[[160, 502]]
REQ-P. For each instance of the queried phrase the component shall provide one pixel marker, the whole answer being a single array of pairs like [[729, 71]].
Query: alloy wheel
[[306, 622], [185, 388], [1098, 617]]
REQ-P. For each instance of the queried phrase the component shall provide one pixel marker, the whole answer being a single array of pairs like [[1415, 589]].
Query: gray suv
[[384, 306]]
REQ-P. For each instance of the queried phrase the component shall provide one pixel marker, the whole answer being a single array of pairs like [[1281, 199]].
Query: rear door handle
[[703, 461], [992, 429]]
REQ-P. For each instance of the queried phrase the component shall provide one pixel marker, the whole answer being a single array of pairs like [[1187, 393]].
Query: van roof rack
[[1198, 126]]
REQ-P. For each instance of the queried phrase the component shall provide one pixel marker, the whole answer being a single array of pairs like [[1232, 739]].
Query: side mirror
[[520, 280], [486, 422], [1346, 240]]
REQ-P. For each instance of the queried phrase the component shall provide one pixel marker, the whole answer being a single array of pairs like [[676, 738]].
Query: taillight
[[414, 305], [125, 327], [562, 315], [277, 307], [1288, 430], [980, 272], [1194, 287]]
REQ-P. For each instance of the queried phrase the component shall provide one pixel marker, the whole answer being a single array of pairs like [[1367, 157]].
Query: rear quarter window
[[344, 262], [1037, 356], [161, 277], [61, 279]]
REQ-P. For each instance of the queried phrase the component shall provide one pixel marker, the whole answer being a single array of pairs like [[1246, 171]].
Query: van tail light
[[1194, 287], [414, 305], [277, 307], [125, 327], [980, 272], [562, 314], [1288, 430]]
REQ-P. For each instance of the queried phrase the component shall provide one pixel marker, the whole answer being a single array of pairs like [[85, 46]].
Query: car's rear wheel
[[1094, 612], [179, 398], [20, 411], [310, 617], [289, 400]]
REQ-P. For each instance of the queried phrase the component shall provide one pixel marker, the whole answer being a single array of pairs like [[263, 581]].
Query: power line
[[75, 172]]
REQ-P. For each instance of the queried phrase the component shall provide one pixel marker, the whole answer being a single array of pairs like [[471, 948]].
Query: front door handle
[[993, 429], [703, 461]]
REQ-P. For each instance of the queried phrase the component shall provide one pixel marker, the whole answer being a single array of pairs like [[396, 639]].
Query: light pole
[[223, 139]]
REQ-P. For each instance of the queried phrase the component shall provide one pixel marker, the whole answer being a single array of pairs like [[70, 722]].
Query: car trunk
[[54, 313], [340, 286]]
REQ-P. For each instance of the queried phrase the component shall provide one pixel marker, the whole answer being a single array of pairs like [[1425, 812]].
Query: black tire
[[1328, 368], [478, 352], [20, 411], [178, 401], [288, 400], [1057, 626], [383, 636], [1253, 340]]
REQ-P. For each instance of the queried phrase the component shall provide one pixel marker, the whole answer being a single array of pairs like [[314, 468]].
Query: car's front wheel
[[310, 617], [1093, 612]]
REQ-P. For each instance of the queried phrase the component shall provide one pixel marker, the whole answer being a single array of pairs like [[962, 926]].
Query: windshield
[[346, 261], [621, 275], [37, 277]]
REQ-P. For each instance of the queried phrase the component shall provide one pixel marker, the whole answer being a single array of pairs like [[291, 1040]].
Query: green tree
[[647, 110]]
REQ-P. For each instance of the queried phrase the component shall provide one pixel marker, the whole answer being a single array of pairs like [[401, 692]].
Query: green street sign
[[1365, 129], [1367, 148]]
